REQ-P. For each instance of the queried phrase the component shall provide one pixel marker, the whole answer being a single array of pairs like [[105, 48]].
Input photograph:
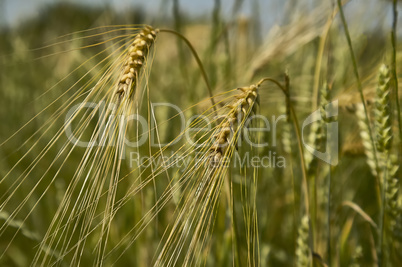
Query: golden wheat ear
[[86, 209], [188, 239], [199, 179], [114, 81], [135, 61], [101, 166]]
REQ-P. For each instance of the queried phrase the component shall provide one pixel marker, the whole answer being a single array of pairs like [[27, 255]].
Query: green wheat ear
[[383, 131], [317, 134], [302, 249], [391, 194], [383, 140], [369, 149], [356, 257]]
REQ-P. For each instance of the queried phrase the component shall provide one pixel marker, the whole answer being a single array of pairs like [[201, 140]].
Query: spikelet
[[194, 221], [137, 53], [383, 131], [357, 255], [239, 111], [383, 134], [366, 140], [302, 249], [397, 229], [103, 170], [317, 133], [287, 138], [391, 194], [314, 139], [325, 98]]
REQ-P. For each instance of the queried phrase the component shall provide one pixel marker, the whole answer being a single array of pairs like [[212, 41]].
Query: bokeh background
[[239, 42]]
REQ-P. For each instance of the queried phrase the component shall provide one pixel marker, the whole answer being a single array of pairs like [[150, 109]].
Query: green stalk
[[381, 228], [235, 232], [394, 72], [329, 217], [360, 88], [292, 113], [198, 60]]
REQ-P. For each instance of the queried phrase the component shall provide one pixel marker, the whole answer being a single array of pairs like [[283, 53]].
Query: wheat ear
[[103, 170], [383, 130], [383, 134], [317, 133], [356, 257], [137, 53], [195, 219], [369, 149], [392, 193], [239, 111], [303, 258]]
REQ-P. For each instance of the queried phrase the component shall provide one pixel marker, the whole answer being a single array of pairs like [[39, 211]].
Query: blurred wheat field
[[202, 141]]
